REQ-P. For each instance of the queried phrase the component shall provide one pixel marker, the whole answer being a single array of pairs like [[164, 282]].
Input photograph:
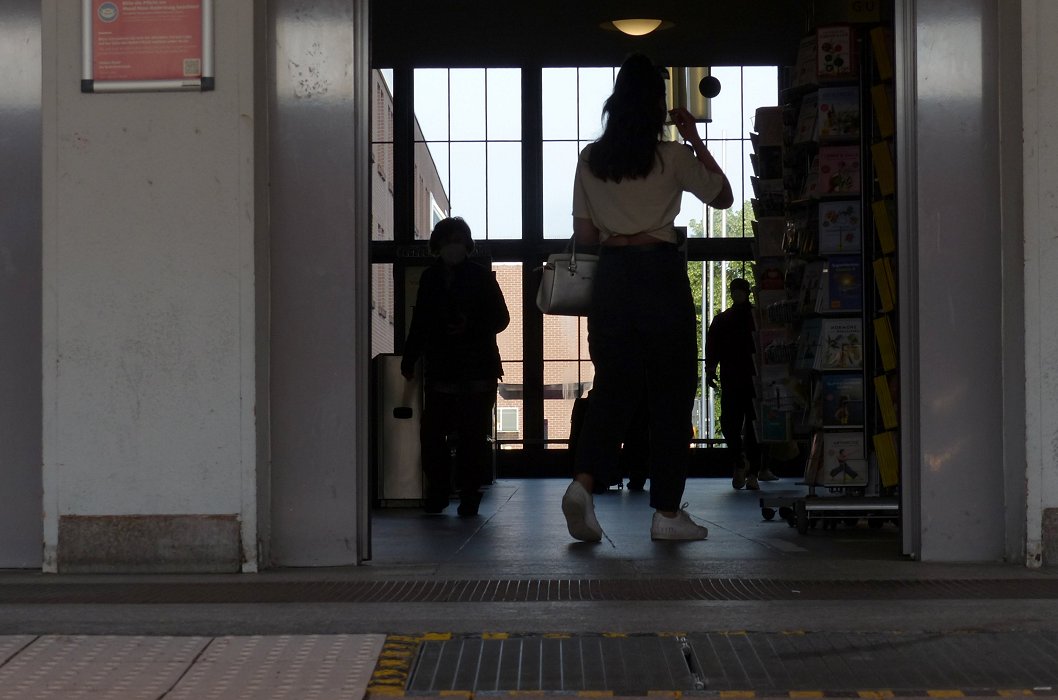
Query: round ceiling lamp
[[637, 27]]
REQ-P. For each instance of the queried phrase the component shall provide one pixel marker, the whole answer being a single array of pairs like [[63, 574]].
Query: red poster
[[146, 39]]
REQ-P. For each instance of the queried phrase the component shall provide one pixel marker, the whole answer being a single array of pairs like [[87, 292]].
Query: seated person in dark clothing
[[458, 312]]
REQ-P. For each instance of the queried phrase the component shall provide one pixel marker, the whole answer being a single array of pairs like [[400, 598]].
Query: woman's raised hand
[[684, 122]]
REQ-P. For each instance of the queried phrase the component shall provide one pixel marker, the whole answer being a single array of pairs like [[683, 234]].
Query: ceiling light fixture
[[637, 27]]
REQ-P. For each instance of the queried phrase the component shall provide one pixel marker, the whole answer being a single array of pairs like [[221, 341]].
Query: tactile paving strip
[[303, 667], [100, 668], [740, 664], [907, 662], [625, 665]]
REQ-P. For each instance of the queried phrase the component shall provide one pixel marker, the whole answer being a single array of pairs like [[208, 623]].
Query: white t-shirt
[[647, 204]]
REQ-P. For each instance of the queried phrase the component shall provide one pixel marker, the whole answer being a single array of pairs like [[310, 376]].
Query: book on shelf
[[769, 194], [805, 67], [773, 308], [811, 285], [887, 452], [842, 400], [839, 170], [885, 281], [884, 212], [837, 114], [883, 335], [844, 459], [767, 162], [773, 425], [775, 346], [881, 46], [882, 157], [779, 389], [839, 226], [768, 273], [823, 297], [840, 344], [805, 131], [836, 56], [808, 356], [882, 99], [847, 11], [767, 122], [801, 232], [768, 235], [844, 283], [814, 462], [883, 391]]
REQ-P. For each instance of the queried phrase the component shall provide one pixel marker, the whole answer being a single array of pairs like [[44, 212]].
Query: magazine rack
[[825, 275]]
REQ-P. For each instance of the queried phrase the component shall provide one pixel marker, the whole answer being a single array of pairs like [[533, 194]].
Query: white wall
[[1040, 84], [149, 293]]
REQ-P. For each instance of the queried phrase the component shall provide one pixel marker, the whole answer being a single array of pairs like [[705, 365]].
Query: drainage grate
[[778, 664], [630, 665], [526, 590]]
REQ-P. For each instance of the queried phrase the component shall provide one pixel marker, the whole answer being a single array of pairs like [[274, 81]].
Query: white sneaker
[[579, 509], [680, 527], [767, 475]]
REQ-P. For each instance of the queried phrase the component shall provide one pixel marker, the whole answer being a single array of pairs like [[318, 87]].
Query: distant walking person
[[729, 344], [458, 312], [641, 325]]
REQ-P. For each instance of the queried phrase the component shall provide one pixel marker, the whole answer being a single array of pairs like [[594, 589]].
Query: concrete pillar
[[20, 407], [152, 203], [1039, 23]]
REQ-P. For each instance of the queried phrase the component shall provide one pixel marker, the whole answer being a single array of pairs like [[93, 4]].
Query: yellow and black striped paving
[[724, 664]]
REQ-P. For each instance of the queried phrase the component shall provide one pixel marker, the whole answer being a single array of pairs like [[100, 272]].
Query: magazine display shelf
[[822, 191]]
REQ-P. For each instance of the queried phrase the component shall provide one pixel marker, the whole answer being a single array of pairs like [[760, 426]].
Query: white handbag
[[565, 287]]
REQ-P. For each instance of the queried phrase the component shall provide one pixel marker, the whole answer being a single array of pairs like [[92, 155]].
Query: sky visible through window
[[471, 121]]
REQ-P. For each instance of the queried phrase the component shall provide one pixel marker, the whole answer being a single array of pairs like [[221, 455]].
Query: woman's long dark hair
[[635, 117]]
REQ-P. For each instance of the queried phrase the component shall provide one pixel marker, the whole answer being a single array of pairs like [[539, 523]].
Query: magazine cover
[[844, 283], [808, 344], [774, 425], [842, 400], [843, 460], [839, 227], [839, 113], [841, 344], [839, 170]]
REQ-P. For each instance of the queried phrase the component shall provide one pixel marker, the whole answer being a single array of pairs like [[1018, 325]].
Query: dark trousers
[[736, 421], [466, 419], [641, 336], [634, 456]]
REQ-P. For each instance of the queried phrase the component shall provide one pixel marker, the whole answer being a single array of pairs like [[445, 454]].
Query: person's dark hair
[[739, 283], [446, 229], [635, 118]]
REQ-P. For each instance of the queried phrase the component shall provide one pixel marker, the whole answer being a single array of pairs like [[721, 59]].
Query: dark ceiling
[[475, 33]]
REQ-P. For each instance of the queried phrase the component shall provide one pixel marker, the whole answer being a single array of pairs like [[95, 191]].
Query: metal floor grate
[[526, 590], [764, 663]]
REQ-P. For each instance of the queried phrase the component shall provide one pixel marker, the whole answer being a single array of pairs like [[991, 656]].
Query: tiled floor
[[247, 647], [521, 531]]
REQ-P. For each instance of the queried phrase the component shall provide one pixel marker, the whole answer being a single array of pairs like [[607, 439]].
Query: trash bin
[[398, 412]]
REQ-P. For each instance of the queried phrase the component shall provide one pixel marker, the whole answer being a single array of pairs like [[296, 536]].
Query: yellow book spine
[[883, 225], [882, 279], [885, 449], [883, 167], [883, 110], [882, 57], [885, 402], [883, 333]]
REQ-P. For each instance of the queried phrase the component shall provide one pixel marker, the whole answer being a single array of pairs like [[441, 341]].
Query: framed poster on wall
[[147, 45]]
